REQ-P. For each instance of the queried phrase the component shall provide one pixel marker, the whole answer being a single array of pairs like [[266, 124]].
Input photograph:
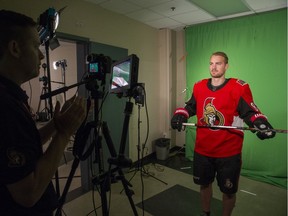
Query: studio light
[[47, 24], [62, 63]]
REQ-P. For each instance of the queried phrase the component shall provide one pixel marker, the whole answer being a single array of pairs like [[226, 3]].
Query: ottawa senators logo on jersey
[[211, 116]]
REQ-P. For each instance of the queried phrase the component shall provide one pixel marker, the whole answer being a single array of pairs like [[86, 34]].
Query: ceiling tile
[[147, 3], [163, 23], [96, 1], [119, 6], [175, 7], [189, 18], [144, 15], [159, 13]]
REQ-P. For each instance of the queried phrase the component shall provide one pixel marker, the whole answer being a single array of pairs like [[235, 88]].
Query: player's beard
[[216, 74]]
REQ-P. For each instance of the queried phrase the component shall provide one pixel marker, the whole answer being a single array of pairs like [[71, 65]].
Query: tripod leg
[[113, 153], [67, 186], [103, 190], [128, 192]]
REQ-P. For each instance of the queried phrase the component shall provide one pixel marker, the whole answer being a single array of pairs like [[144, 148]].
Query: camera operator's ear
[[14, 48]]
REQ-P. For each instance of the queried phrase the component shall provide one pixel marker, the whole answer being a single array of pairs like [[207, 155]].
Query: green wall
[[257, 50]]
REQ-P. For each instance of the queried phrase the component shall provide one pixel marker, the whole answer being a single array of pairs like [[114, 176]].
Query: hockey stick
[[233, 127]]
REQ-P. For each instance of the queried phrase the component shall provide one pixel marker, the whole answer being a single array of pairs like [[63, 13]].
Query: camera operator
[[25, 170]]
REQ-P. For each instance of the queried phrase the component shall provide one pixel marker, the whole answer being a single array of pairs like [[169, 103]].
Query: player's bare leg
[[228, 202]]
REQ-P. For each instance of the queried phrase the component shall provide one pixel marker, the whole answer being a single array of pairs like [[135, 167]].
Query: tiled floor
[[253, 199]]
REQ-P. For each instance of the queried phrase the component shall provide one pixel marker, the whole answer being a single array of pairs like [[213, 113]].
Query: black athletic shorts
[[226, 170]]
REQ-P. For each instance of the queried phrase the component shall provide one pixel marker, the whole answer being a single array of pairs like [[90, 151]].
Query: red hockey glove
[[180, 116]]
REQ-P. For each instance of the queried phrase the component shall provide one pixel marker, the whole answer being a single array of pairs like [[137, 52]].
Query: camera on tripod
[[98, 66]]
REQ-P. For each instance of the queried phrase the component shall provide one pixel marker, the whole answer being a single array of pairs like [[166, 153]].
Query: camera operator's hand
[[180, 116], [71, 116], [264, 129], [67, 104]]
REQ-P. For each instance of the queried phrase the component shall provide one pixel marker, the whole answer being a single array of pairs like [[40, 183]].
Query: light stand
[[47, 24], [44, 114], [139, 99], [57, 185]]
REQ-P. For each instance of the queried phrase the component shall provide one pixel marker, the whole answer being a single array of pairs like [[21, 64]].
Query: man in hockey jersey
[[219, 101]]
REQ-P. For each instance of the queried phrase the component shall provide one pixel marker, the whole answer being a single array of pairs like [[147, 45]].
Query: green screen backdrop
[[257, 49]]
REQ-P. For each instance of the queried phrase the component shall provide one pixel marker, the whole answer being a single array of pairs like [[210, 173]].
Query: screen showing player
[[121, 75]]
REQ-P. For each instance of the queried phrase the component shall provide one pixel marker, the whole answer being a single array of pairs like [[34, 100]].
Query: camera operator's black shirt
[[20, 148]]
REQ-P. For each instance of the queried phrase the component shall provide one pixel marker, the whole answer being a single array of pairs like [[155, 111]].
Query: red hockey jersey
[[230, 104]]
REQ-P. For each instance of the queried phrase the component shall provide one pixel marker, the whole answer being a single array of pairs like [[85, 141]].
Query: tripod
[[119, 161], [103, 179]]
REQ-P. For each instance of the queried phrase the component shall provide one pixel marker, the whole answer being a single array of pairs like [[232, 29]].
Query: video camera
[[98, 66]]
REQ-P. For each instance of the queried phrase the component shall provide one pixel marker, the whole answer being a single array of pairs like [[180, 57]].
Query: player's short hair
[[219, 53]]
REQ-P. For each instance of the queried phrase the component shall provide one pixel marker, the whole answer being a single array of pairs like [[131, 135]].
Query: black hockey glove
[[180, 116], [264, 126]]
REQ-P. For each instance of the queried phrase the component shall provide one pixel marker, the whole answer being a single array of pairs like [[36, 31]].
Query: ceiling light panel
[[266, 5], [221, 7]]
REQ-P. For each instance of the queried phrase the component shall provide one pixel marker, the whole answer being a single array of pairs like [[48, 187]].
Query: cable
[[142, 153]]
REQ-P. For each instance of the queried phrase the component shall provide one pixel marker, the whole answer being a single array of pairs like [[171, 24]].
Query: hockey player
[[224, 102]]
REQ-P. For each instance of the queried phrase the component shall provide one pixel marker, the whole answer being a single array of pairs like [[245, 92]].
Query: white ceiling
[[178, 14]]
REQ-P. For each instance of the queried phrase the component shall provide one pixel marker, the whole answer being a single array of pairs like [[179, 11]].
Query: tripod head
[[92, 86]]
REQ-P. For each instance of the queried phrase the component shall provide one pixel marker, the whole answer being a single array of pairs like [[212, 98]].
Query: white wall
[[180, 81], [66, 51], [172, 71], [88, 20]]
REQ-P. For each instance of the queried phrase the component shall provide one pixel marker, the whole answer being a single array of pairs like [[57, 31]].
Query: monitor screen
[[121, 75], [124, 74], [93, 68]]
